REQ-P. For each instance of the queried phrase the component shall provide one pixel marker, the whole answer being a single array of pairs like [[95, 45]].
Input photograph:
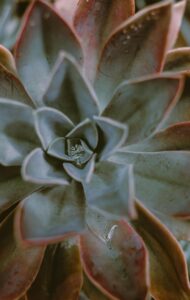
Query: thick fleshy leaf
[[70, 92], [178, 226], [161, 179], [111, 189], [112, 135], [44, 35], [81, 174], [177, 16], [51, 124], [178, 60], [175, 137], [181, 113], [42, 169], [7, 60], [67, 9], [52, 214], [91, 292], [60, 275], [17, 134], [12, 187], [87, 131], [12, 88], [130, 53], [122, 252], [144, 104], [18, 264], [94, 21], [168, 269]]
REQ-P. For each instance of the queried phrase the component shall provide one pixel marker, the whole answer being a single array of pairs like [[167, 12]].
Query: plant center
[[78, 151]]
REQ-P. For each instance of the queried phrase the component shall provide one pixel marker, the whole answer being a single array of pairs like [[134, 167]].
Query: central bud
[[78, 151]]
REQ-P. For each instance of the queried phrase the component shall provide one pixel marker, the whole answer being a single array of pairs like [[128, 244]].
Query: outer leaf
[[178, 60], [95, 20], [112, 135], [161, 179], [169, 277], [52, 214], [130, 53], [19, 265], [12, 88], [43, 36], [112, 189], [70, 92], [67, 8], [12, 187], [175, 137], [179, 227], [124, 255], [91, 292], [41, 169], [181, 112], [144, 104], [51, 124], [60, 275], [177, 16], [17, 134]]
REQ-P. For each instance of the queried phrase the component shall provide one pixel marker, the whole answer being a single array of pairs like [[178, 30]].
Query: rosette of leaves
[[87, 179]]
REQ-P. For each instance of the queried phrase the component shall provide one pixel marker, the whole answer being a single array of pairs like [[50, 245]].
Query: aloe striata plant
[[94, 155]]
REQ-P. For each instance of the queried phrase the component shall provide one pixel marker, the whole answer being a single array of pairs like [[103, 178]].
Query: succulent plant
[[94, 189]]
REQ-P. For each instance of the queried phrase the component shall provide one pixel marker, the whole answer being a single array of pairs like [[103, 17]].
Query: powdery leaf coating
[[94, 21], [123, 254], [58, 212], [161, 179], [40, 43], [136, 49], [143, 110], [20, 264]]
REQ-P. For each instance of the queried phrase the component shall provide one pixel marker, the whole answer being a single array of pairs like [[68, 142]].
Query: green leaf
[[179, 227], [42, 169], [123, 254], [161, 179], [12, 88], [19, 264], [112, 136], [70, 92], [181, 112], [17, 134], [52, 214], [12, 187], [144, 104], [129, 52], [95, 21], [60, 274], [168, 269], [51, 124], [175, 137], [111, 189], [43, 36]]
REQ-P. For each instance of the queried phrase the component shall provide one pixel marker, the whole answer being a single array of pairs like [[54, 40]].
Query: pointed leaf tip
[[41, 47]]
